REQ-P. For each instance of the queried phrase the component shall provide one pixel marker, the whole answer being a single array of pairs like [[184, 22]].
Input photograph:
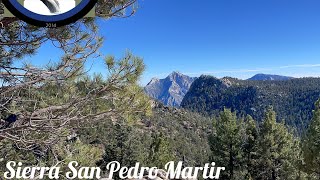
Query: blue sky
[[237, 38]]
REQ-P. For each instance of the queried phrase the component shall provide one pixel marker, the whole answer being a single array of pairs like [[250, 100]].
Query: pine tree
[[48, 98], [250, 146], [276, 150], [160, 151], [311, 144], [225, 143]]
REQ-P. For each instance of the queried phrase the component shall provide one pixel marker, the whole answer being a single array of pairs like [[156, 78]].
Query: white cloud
[[300, 66]]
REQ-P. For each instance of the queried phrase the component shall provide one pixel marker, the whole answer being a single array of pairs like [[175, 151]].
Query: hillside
[[293, 100], [184, 135], [171, 90]]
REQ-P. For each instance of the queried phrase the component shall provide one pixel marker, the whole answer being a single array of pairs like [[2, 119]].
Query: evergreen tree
[[121, 143], [311, 144], [47, 99], [250, 146], [160, 151], [225, 144], [276, 150]]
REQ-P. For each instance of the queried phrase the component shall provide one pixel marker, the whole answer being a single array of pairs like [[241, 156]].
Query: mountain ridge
[[293, 100], [269, 77], [172, 89]]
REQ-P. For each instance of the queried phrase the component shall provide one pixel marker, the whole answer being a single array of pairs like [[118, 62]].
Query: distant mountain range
[[269, 77], [171, 90]]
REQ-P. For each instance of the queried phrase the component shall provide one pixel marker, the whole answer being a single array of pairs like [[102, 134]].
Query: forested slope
[[293, 100]]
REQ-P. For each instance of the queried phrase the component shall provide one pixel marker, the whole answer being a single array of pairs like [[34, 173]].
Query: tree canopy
[[46, 100]]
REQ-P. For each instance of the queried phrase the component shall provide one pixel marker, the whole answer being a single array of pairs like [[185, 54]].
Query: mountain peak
[[176, 73], [154, 80], [269, 77], [171, 90]]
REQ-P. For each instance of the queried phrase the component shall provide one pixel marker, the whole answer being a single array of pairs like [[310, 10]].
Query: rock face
[[171, 90], [269, 77]]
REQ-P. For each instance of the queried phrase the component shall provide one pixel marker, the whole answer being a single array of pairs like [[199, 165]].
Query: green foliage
[[121, 143], [57, 155], [85, 154], [225, 144], [80, 101], [168, 135], [293, 100], [160, 151], [250, 146], [270, 152], [117, 116], [186, 132], [276, 150], [311, 144]]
